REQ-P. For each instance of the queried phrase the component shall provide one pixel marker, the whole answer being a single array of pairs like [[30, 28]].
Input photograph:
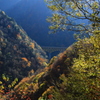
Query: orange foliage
[[25, 79], [25, 59], [29, 64], [1, 92], [46, 68], [41, 59], [32, 45]]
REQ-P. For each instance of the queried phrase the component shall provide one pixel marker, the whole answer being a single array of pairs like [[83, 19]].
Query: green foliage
[[5, 78], [53, 7], [8, 82], [70, 11], [6, 85], [83, 81]]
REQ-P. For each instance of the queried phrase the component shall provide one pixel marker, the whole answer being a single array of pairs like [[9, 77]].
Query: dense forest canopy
[[83, 82], [75, 73]]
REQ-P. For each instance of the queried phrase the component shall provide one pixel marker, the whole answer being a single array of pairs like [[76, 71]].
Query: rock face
[[20, 56]]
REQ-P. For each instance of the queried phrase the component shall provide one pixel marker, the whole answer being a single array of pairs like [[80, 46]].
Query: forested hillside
[[20, 56], [75, 73]]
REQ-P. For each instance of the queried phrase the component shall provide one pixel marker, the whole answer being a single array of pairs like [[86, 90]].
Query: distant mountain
[[20, 56], [31, 15]]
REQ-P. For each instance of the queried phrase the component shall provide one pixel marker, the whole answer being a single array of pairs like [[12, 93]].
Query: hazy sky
[[6, 4]]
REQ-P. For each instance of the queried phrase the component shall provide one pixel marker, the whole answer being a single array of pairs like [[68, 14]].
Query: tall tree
[[83, 82], [74, 15]]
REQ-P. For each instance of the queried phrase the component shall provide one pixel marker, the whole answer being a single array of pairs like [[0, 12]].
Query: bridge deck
[[53, 49]]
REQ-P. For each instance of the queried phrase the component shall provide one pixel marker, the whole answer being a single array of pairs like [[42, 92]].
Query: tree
[[81, 16], [83, 82]]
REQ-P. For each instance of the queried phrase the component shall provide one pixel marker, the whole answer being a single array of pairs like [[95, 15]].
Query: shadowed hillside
[[20, 56]]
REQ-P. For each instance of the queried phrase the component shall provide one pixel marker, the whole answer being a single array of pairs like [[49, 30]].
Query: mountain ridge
[[17, 49]]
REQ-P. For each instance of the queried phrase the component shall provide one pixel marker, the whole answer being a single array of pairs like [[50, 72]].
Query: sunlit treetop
[[74, 15]]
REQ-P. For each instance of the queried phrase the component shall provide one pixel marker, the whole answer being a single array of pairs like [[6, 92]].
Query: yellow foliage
[[19, 36], [49, 90], [2, 87], [36, 86], [78, 14], [5, 78], [53, 7], [41, 60], [0, 82]]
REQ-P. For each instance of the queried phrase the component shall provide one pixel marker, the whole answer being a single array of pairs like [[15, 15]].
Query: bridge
[[50, 50]]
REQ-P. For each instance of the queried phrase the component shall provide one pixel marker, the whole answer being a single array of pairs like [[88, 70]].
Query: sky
[[31, 15], [6, 4]]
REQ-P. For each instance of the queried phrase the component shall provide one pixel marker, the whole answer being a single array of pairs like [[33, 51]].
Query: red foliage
[[8, 26], [50, 96]]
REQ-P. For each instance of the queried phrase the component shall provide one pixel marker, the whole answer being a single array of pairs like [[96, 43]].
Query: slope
[[19, 55]]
